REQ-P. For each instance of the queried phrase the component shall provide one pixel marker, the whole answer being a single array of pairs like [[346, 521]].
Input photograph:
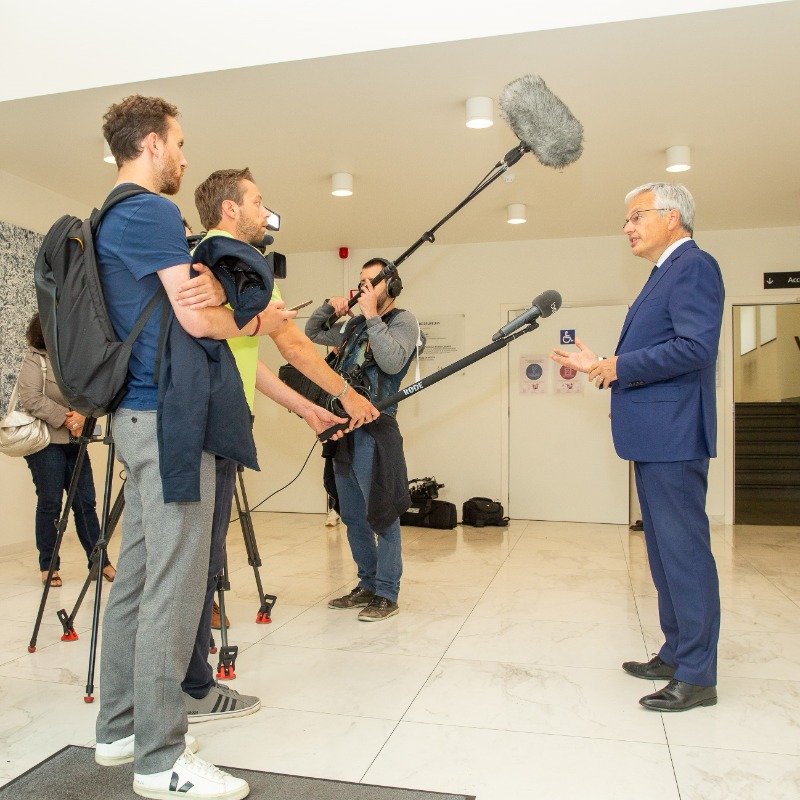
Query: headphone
[[393, 283]]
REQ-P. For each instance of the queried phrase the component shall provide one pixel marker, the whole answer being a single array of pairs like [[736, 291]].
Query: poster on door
[[569, 380], [533, 375]]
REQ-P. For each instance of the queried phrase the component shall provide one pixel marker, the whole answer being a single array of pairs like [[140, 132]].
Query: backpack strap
[[117, 195], [162, 329], [145, 315]]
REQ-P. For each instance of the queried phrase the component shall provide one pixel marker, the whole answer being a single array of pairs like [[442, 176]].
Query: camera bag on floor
[[431, 514], [481, 511]]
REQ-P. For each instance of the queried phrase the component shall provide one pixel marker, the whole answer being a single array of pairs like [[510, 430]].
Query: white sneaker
[[189, 777], [121, 751], [332, 519]]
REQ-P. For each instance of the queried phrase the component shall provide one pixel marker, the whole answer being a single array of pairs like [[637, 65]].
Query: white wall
[[21, 201], [453, 430]]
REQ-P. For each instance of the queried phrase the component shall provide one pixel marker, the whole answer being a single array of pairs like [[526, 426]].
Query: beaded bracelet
[[341, 394]]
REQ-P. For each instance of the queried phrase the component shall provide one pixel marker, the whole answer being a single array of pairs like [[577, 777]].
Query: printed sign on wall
[[444, 343], [567, 337], [569, 381], [533, 374]]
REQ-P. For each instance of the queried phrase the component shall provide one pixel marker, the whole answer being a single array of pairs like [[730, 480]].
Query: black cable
[[255, 507]]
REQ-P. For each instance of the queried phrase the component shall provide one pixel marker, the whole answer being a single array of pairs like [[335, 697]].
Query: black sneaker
[[380, 608], [356, 599]]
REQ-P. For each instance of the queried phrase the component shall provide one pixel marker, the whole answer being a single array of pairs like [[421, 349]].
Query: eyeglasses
[[634, 218]]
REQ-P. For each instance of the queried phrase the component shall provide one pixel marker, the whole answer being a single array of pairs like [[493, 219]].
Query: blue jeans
[[199, 678], [378, 558], [52, 470]]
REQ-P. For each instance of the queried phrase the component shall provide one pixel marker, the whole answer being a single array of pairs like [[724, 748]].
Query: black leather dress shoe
[[651, 670], [680, 696]]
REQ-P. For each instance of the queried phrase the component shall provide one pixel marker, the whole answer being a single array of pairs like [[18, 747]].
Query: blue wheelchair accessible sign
[[568, 337]]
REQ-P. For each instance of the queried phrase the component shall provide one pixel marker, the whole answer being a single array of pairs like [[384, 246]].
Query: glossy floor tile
[[500, 677]]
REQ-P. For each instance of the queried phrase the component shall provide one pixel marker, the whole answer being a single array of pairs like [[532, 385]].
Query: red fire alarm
[[343, 252]]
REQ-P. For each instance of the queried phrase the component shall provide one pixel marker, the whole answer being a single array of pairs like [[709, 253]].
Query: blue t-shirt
[[137, 238]]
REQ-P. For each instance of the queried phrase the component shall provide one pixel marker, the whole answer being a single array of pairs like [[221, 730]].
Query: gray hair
[[669, 196]]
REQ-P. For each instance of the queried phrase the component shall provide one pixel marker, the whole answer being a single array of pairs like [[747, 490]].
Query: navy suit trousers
[[672, 496]]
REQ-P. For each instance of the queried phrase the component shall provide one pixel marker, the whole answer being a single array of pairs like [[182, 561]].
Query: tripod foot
[[66, 625], [226, 669], [264, 615], [31, 648], [225, 673], [212, 649], [88, 699]]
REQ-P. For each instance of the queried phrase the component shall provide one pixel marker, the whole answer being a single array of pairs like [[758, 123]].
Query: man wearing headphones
[[375, 351]]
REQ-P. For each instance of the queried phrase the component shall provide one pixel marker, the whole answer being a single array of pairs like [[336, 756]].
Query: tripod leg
[[226, 668], [266, 601], [88, 425], [68, 620], [115, 514]]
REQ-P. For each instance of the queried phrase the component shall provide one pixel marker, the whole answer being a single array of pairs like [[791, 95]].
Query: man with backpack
[[375, 350], [154, 605]]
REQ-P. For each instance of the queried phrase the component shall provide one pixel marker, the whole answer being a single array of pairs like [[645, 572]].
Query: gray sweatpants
[[155, 601]]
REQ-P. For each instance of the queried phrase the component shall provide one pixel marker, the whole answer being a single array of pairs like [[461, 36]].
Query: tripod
[[84, 438], [226, 667], [108, 523]]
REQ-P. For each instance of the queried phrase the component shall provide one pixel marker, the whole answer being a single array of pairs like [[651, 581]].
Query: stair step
[[767, 449], [755, 477], [774, 463], [767, 409]]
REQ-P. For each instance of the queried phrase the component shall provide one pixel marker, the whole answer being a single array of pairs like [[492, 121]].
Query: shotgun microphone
[[544, 305], [541, 122]]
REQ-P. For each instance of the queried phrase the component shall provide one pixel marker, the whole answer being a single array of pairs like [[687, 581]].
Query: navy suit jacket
[[663, 403]]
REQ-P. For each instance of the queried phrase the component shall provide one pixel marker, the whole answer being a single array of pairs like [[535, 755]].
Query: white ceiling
[[724, 82]]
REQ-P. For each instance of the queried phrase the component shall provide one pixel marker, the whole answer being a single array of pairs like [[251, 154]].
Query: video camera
[[424, 489]]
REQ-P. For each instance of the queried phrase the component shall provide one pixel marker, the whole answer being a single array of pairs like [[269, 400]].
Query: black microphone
[[542, 122], [544, 305]]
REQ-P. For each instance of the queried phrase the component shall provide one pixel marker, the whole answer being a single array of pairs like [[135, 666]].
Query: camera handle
[[441, 374]]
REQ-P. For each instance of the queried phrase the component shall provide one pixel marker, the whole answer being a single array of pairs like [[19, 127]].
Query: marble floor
[[499, 678]]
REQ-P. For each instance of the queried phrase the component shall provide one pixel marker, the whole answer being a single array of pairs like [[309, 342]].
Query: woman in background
[[52, 467]]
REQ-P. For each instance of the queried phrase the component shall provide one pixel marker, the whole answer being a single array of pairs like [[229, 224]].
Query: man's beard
[[169, 177], [249, 232]]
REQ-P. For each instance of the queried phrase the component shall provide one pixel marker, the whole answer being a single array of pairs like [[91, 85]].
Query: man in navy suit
[[663, 418]]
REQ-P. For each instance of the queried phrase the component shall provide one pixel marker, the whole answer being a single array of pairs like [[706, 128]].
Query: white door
[[562, 463]]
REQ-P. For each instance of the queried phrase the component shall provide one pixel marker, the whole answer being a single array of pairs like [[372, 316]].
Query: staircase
[[767, 465]]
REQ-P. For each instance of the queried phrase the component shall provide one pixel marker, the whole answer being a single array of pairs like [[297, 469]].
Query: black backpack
[[90, 364], [481, 511]]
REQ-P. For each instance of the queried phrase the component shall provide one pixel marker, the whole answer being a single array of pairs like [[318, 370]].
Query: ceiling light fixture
[[341, 184], [516, 214], [107, 157], [678, 158], [480, 112]]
